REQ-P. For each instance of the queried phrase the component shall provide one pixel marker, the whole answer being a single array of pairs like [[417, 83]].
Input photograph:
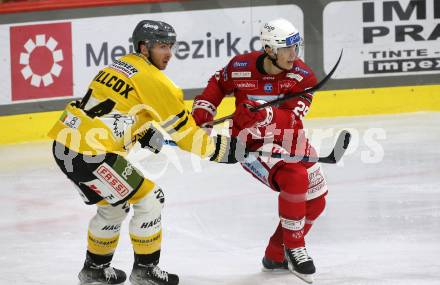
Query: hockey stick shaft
[[336, 154], [289, 96]]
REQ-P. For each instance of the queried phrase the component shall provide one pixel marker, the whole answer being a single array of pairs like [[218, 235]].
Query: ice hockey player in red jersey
[[255, 78]]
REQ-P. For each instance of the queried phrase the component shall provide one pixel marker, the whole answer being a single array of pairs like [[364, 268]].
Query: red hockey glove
[[203, 111], [244, 118]]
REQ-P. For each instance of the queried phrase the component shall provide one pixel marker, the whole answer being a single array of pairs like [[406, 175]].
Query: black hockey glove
[[228, 150], [152, 140]]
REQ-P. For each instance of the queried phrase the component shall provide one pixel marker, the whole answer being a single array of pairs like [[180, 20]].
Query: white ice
[[381, 225]]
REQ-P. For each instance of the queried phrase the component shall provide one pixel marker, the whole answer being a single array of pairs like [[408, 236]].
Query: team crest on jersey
[[124, 68], [118, 123], [298, 77], [246, 84], [241, 74], [268, 87]]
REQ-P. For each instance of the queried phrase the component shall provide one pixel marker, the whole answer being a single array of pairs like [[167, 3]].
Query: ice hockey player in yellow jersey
[[95, 133]]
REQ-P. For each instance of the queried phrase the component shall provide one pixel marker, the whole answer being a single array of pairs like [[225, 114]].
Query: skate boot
[[274, 266], [152, 275], [300, 263], [93, 274]]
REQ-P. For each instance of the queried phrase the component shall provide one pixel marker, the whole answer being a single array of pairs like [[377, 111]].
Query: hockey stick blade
[[318, 86], [340, 147], [336, 154]]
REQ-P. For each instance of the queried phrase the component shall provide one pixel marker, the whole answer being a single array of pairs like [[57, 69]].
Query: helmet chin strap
[[274, 62]]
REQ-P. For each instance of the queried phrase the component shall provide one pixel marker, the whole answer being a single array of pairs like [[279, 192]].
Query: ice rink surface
[[381, 224]]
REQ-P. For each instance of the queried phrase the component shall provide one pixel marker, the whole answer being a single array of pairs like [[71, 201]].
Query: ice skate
[[152, 275], [300, 263], [93, 274], [274, 266]]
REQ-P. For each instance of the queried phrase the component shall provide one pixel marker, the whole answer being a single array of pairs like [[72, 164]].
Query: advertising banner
[[58, 59], [382, 38], [41, 61]]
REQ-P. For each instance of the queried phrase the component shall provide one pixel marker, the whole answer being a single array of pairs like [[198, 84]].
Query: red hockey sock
[[292, 179], [275, 249], [314, 208]]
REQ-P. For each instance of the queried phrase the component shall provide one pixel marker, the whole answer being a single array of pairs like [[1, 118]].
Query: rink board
[[34, 127]]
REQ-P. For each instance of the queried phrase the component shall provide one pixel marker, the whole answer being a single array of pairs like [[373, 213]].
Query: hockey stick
[[282, 99], [336, 154]]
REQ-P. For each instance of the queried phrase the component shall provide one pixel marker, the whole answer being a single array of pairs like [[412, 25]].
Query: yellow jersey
[[122, 101]]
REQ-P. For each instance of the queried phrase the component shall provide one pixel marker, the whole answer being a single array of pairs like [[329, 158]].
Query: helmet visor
[[297, 48]]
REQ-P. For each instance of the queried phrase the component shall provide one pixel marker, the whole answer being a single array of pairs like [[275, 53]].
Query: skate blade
[[97, 283], [275, 271], [142, 282], [308, 278]]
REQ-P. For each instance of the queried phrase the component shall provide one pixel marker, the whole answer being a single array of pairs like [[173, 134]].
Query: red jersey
[[244, 76]]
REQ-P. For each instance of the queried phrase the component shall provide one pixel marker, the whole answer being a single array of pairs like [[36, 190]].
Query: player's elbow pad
[[228, 150]]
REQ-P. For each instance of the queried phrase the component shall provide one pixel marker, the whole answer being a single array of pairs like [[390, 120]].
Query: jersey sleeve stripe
[[179, 126], [173, 120]]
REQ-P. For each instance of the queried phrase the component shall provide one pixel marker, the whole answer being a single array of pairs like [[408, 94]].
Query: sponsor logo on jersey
[[316, 181], [102, 190], [160, 195], [118, 85], [112, 180], [301, 70], [94, 188], [111, 228], [240, 64], [268, 87], [293, 225], [268, 78], [128, 170], [150, 224], [257, 169], [246, 84], [124, 68], [70, 120], [41, 61], [286, 84], [298, 77], [241, 74]]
